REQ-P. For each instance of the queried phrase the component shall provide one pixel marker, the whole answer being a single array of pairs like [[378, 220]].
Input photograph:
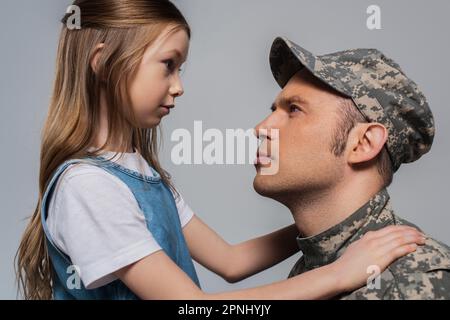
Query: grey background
[[228, 84]]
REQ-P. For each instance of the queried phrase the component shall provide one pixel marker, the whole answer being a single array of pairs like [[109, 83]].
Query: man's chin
[[263, 186]]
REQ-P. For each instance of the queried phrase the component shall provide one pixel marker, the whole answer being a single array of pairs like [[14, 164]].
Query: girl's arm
[[158, 277], [237, 262]]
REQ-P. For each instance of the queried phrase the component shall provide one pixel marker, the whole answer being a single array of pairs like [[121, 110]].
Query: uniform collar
[[327, 246]]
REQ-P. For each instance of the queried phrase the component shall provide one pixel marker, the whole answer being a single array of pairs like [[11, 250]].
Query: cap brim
[[287, 58]]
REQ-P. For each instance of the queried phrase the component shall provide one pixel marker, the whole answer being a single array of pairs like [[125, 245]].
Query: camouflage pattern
[[423, 274], [377, 86]]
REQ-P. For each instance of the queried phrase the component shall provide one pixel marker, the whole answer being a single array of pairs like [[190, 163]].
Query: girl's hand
[[376, 249]]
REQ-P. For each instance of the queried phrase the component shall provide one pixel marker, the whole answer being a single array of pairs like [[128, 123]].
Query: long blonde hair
[[126, 27]]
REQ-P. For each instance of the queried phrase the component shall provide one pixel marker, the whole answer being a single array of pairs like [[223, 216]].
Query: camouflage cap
[[377, 86]]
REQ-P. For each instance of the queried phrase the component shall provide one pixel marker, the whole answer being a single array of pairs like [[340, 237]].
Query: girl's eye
[[293, 108], [170, 65], [181, 69]]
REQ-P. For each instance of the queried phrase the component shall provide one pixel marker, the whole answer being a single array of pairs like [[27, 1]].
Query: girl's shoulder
[[78, 169], [86, 177], [80, 185]]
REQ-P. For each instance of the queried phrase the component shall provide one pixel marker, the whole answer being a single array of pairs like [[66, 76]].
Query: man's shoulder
[[433, 255], [423, 274]]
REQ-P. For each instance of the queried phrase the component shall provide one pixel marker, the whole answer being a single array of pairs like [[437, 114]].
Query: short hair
[[349, 116]]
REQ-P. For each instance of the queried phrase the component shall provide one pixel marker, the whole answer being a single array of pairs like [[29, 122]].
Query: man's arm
[[237, 262]]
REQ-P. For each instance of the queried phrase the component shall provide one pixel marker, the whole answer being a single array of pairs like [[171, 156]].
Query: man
[[346, 121]]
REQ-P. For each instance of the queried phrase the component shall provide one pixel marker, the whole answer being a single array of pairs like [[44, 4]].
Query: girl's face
[[157, 82]]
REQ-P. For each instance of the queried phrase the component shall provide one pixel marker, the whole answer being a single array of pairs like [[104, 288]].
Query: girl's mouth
[[167, 108]]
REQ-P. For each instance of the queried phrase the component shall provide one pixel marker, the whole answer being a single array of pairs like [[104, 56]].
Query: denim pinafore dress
[[158, 206]]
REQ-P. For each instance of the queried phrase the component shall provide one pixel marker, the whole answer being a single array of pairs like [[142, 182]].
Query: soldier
[[346, 122]]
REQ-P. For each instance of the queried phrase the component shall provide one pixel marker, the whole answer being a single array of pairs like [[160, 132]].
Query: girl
[[117, 223]]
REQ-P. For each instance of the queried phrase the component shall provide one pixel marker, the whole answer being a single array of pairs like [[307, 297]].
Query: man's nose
[[262, 130]]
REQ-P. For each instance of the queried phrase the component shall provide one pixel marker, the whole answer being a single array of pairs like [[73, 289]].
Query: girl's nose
[[176, 90]]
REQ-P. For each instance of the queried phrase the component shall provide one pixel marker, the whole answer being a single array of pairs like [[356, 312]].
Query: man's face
[[305, 114]]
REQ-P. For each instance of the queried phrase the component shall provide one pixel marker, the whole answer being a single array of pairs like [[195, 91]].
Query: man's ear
[[96, 56], [365, 142]]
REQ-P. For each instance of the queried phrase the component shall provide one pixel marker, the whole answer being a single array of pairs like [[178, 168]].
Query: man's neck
[[317, 212]]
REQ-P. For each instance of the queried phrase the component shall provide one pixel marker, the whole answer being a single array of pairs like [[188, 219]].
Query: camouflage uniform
[[382, 93], [423, 274]]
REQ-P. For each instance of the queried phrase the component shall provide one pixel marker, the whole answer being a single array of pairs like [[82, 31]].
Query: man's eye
[[294, 108]]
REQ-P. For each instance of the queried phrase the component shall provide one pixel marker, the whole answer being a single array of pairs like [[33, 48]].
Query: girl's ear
[[365, 142], [95, 57]]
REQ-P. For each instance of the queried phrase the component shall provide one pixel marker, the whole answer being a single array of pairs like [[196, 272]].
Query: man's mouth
[[262, 159]]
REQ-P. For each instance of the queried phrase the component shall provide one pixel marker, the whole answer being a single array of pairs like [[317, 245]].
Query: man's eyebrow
[[288, 100]]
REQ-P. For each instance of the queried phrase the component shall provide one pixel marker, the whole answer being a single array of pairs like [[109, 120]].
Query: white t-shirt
[[94, 218]]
